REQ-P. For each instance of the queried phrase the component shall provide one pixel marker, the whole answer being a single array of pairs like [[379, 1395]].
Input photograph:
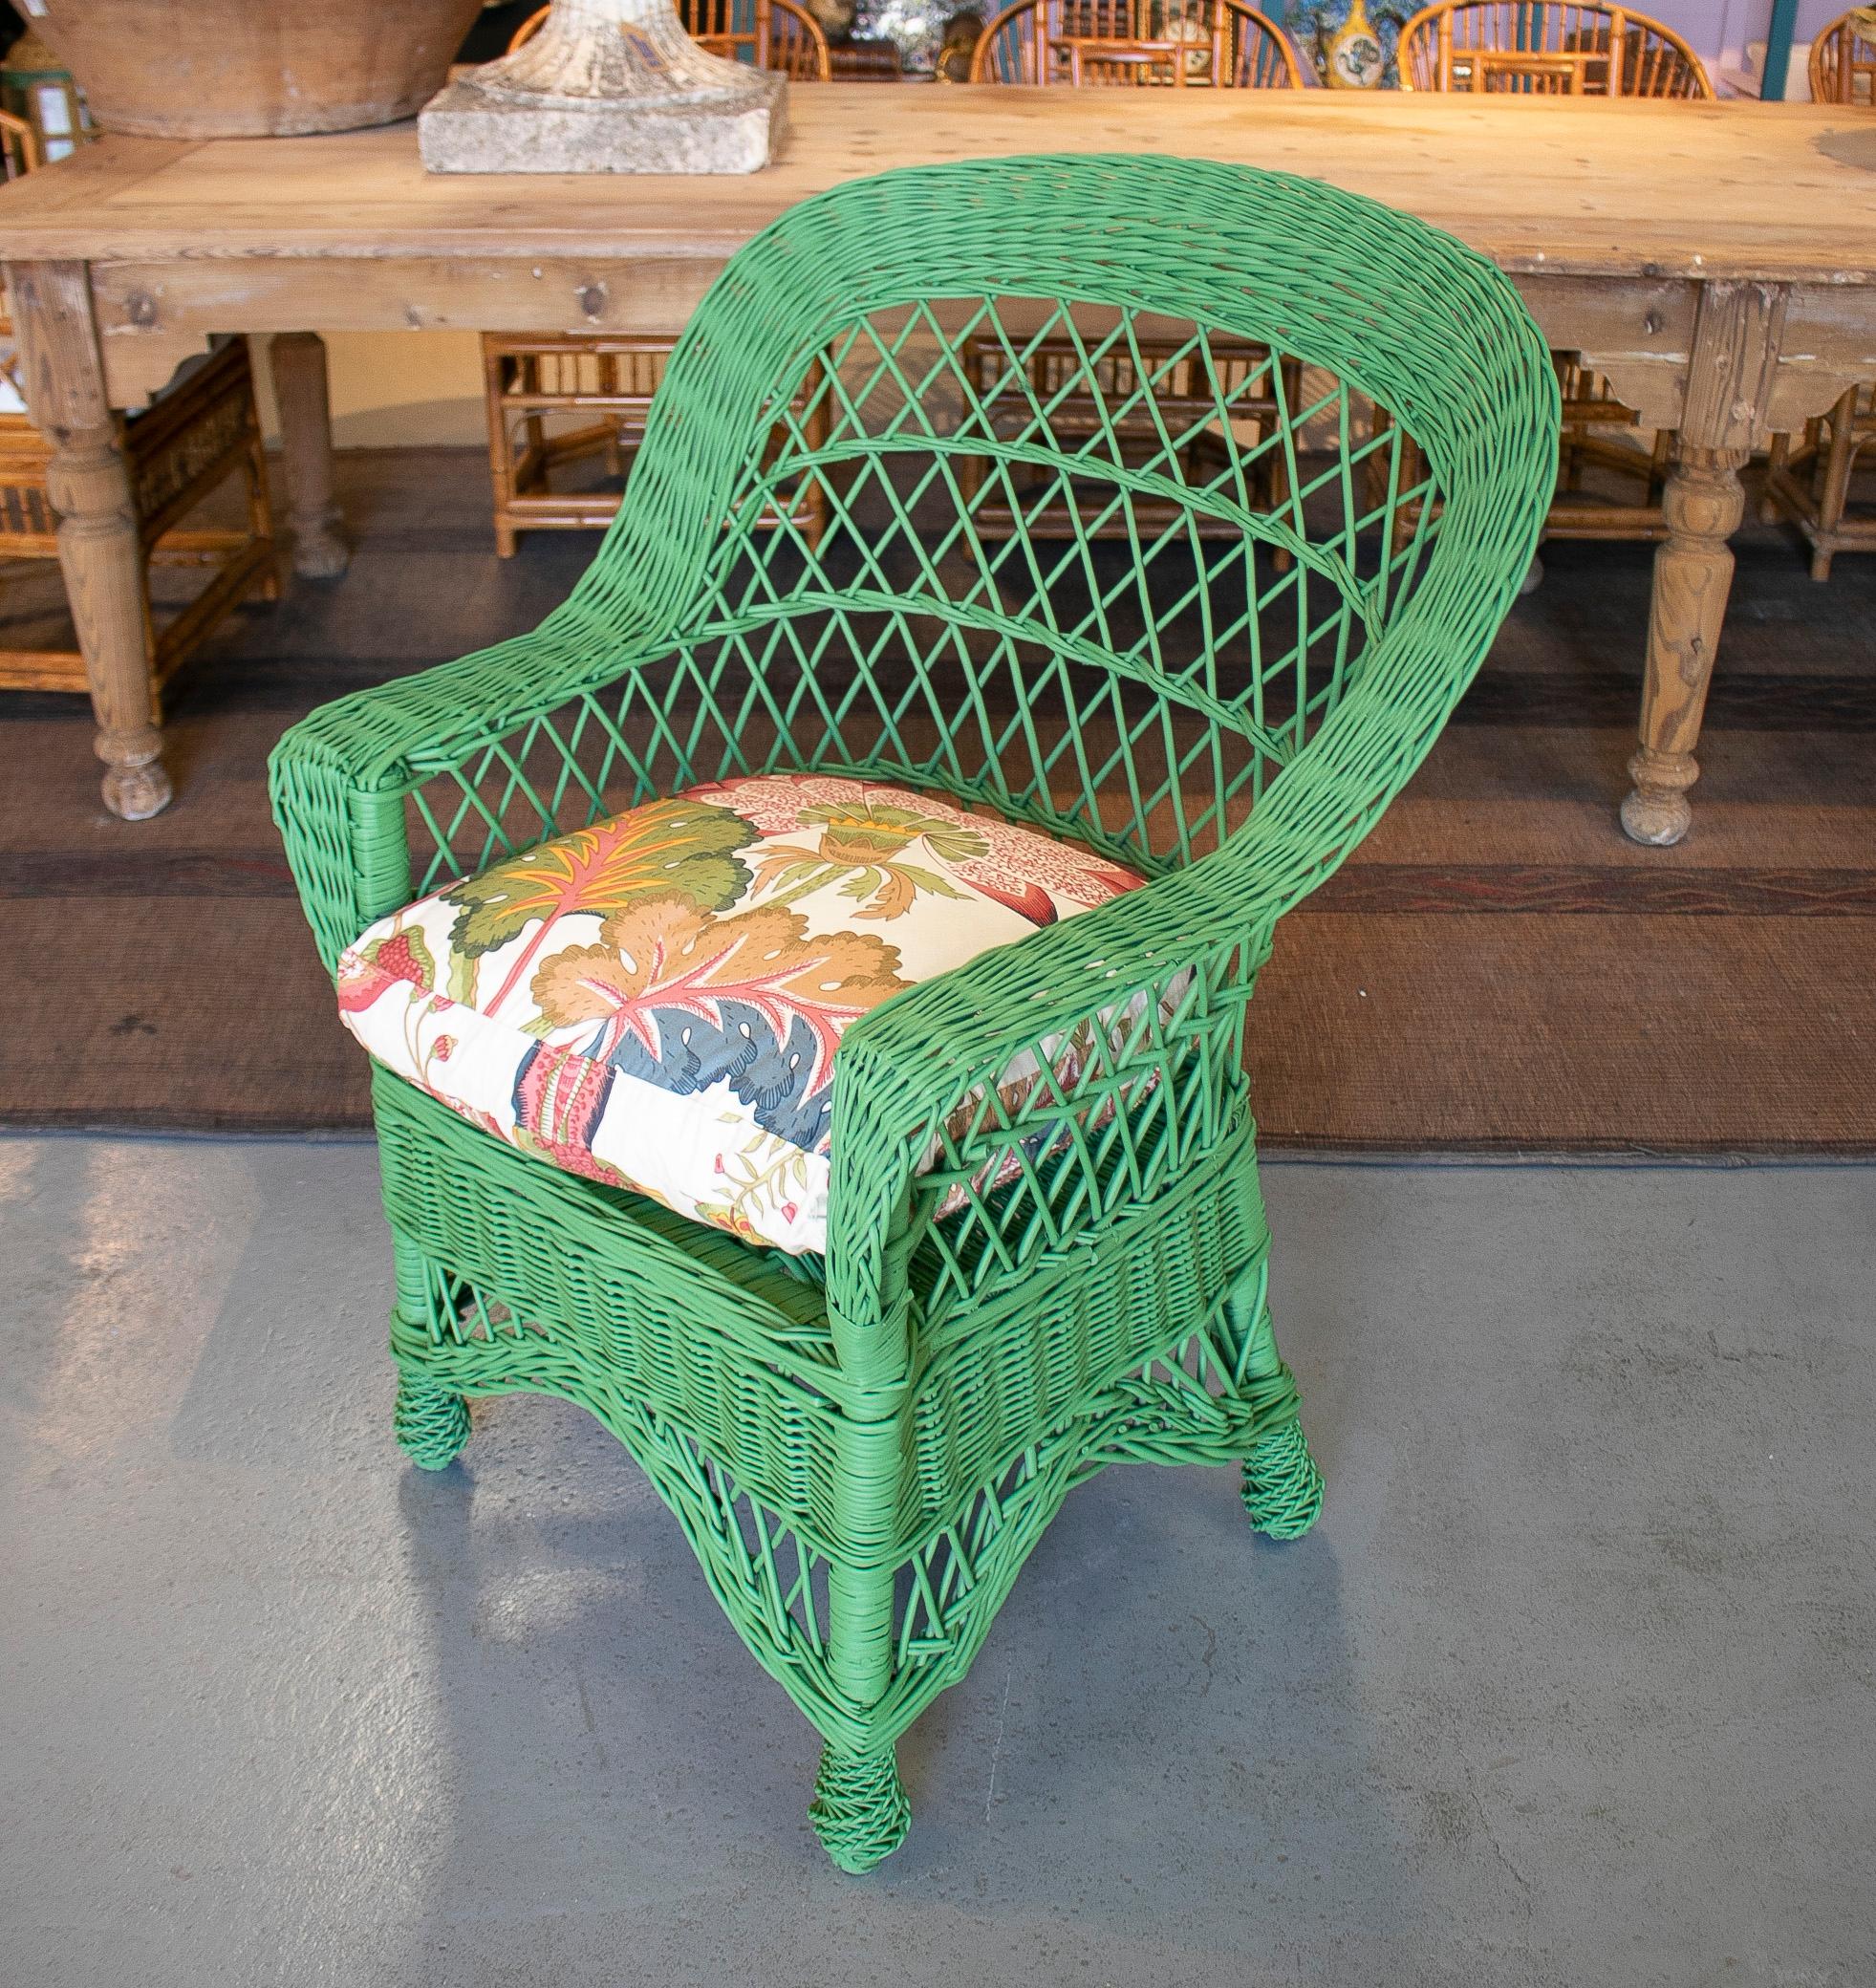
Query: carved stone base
[[466, 129]]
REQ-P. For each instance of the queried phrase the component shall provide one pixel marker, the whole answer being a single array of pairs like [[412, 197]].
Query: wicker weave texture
[[1070, 590]]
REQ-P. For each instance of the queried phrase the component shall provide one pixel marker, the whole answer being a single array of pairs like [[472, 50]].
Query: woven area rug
[[1497, 971]]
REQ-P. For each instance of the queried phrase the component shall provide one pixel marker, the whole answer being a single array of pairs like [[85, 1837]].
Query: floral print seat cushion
[[658, 1001]]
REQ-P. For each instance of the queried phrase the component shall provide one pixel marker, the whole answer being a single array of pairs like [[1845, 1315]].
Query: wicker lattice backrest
[[1843, 66], [1128, 674], [1151, 43], [1507, 46]]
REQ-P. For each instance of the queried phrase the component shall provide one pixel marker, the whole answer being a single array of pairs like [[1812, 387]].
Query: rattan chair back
[[1546, 50], [772, 33], [1843, 65], [1139, 43]]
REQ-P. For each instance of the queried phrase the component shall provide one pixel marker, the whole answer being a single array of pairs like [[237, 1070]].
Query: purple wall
[[1719, 29]]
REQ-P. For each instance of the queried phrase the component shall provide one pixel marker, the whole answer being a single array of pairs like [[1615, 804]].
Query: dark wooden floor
[[1497, 970]]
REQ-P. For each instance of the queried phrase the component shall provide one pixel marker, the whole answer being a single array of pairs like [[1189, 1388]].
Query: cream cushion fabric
[[658, 1001]]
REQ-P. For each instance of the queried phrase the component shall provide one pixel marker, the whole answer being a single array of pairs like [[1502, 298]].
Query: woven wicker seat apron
[[1030, 1243]]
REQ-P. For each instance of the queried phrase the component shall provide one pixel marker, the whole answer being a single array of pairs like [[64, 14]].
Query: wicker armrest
[[913, 1068], [337, 779], [1192, 940], [393, 735]]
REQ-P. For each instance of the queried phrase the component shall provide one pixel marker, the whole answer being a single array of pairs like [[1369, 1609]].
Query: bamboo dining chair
[[1807, 480], [1509, 47], [809, 988], [556, 400], [1561, 47], [199, 435], [1221, 44], [1843, 65]]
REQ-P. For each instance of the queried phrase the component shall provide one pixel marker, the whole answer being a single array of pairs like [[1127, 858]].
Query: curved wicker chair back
[[1143, 43], [1842, 64], [1141, 692], [1546, 50], [772, 33]]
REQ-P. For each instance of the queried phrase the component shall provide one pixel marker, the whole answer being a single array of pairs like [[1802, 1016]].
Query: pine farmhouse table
[[1717, 261]]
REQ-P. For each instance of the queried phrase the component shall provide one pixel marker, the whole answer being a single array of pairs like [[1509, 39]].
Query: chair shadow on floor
[[1163, 1737], [1164, 1745]]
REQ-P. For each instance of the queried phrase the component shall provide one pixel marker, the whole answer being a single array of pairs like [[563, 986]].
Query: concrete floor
[[1575, 1682]]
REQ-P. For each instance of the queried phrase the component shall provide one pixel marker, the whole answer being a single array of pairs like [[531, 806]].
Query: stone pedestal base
[[466, 129]]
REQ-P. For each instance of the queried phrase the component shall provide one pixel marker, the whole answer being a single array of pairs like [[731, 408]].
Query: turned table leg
[[1692, 574], [100, 548], [305, 450]]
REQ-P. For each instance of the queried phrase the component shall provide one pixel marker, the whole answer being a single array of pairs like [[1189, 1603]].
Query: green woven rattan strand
[[1114, 545], [431, 1421], [859, 1811]]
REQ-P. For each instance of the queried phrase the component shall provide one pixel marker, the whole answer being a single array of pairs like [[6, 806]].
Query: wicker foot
[[859, 1811], [1282, 1488], [430, 1422]]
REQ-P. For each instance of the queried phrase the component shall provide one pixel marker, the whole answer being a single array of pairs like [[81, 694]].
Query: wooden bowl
[[255, 68]]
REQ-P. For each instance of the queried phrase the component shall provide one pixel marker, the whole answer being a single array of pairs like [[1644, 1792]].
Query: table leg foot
[[306, 445], [1656, 812], [135, 784], [319, 553]]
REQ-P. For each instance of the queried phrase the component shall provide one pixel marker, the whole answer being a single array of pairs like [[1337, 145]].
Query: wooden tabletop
[[1767, 191]]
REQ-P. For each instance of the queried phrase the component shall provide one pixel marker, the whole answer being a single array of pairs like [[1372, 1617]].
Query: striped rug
[[1499, 971]]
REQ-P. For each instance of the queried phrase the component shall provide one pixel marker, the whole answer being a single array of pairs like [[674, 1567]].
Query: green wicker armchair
[[1033, 1243]]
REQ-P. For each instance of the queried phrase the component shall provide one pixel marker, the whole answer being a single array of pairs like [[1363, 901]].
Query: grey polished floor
[[1575, 1683]]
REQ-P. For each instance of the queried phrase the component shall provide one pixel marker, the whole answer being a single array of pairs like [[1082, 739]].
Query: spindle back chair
[[1156, 43], [1842, 64], [1549, 49], [778, 35], [1570, 48], [199, 434], [1809, 479], [1165, 44], [558, 400]]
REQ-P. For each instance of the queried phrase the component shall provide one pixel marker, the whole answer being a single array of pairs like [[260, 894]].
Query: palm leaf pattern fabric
[[658, 1001]]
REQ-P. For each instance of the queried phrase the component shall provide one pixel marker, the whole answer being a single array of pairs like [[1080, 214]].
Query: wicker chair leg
[[1282, 1488], [431, 1422], [859, 1811]]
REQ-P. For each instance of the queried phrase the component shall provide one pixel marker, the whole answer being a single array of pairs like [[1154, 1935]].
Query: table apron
[[153, 315], [1640, 332]]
